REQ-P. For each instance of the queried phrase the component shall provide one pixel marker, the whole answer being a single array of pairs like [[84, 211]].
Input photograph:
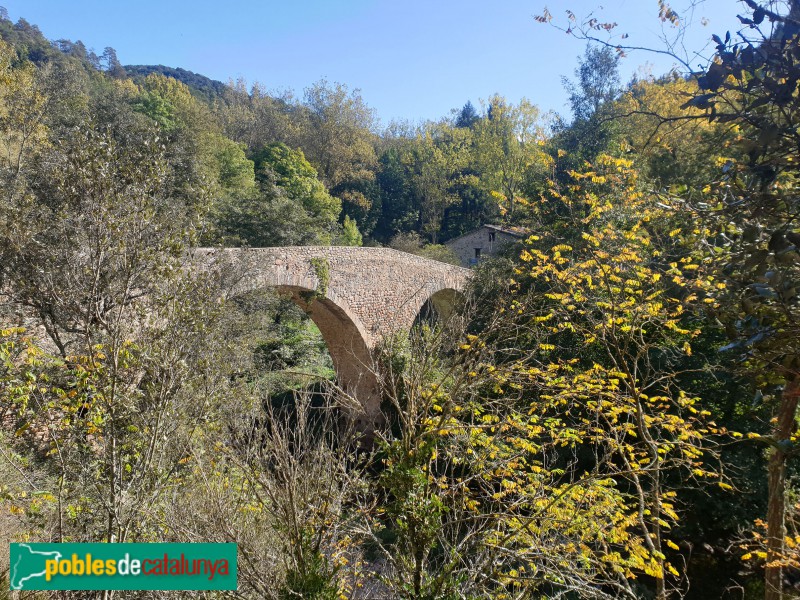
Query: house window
[[477, 253], [491, 236]]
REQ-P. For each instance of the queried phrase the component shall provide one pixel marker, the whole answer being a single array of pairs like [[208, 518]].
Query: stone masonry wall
[[464, 246], [381, 289]]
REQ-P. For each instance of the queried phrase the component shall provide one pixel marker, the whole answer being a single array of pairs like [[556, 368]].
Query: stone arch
[[439, 305], [345, 338]]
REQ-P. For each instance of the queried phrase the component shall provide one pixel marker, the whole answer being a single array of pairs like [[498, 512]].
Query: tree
[[298, 178], [195, 145], [747, 221], [235, 173], [398, 207], [752, 83], [542, 456], [433, 162], [100, 267], [290, 207], [351, 236], [111, 64], [675, 148], [467, 116], [254, 118], [413, 244], [507, 147], [337, 137], [94, 191], [593, 129], [643, 333], [598, 82]]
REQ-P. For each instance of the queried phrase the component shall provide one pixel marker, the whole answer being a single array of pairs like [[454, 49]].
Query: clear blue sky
[[414, 59]]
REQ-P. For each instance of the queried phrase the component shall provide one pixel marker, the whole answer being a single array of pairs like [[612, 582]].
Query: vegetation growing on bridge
[[612, 414], [322, 271]]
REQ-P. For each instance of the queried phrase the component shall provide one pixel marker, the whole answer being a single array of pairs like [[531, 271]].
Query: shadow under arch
[[439, 307], [346, 340]]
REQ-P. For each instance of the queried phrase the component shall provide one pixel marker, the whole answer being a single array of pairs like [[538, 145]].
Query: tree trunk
[[777, 489]]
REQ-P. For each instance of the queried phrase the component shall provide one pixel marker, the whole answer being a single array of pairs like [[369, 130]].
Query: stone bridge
[[356, 296]]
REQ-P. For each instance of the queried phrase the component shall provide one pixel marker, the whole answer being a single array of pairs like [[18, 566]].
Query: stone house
[[484, 242]]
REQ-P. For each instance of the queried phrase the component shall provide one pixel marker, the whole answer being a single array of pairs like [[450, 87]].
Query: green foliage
[[433, 162], [595, 129], [28, 41], [338, 136], [412, 517], [467, 116], [102, 422], [322, 271], [419, 527], [235, 173], [581, 421], [508, 146], [399, 211], [751, 240], [676, 150], [314, 578], [598, 82], [439, 252], [350, 235], [290, 207], [201, 86], [290, 171], [754, 85], [157, 108], [283, 350], [413, 244]]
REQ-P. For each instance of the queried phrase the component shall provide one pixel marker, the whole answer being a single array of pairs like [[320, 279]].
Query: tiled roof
[[515, 231], [518, 232]]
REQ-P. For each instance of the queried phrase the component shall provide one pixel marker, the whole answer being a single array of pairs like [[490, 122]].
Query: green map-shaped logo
[[27, 564]]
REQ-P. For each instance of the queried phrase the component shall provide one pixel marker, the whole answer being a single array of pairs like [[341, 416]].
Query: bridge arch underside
[[439, 306], [346, 342]]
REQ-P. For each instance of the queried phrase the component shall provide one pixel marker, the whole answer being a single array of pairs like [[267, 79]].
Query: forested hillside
[[611, 412]]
